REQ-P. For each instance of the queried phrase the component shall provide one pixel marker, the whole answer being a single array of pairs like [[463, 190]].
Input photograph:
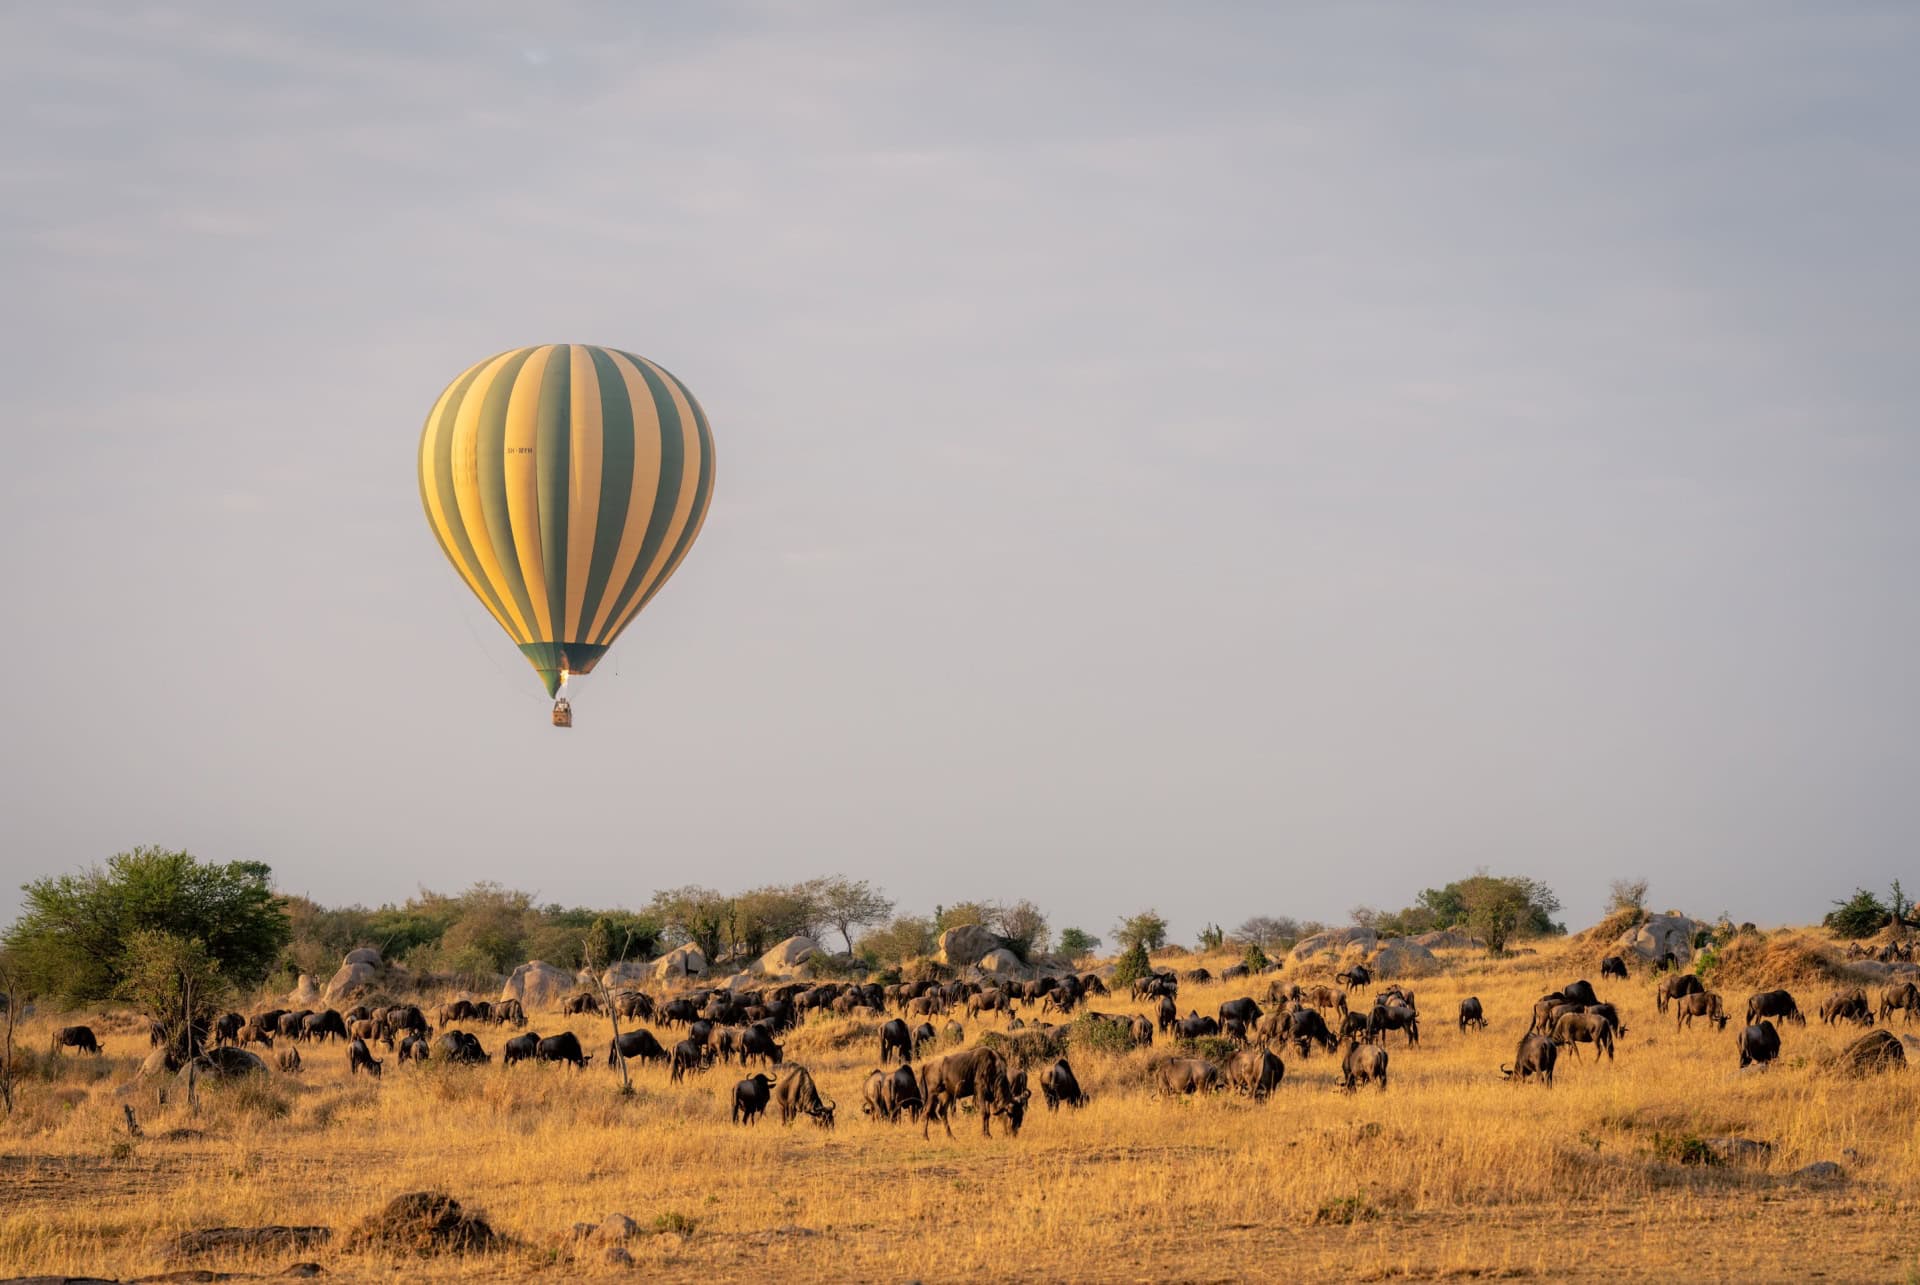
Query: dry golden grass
[[1450, 1172]]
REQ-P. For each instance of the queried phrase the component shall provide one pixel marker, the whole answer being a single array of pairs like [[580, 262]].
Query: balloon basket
[[562, 713]]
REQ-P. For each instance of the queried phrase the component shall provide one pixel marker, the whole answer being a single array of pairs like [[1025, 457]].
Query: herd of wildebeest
[[1234, 1049]]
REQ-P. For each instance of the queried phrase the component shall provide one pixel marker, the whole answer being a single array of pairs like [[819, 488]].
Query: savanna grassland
[[1451, 1172]]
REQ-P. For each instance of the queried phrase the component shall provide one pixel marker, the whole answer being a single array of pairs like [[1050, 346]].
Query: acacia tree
[[73, 936], [1146, 929], [177, 983], [846, 904]]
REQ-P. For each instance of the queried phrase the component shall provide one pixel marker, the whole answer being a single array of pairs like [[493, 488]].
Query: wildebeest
[[461, 1048], [1575, 1029], [1188, 1075], [1580, 992], [1140, 1031], [288, 1024], [953, 1033], [1059, 1085], [686, 1058], [1355, 977], [798, 1095], [358, 1056], [323, 1026], [454, 1010], [1393, 1017], [564, 1047], [521, 1048], [1240, 1010], [1198, 976], [750, 1097], [895, 1038], [1774, 1004], [1535, 1056], [289, 1060], [255, 1033], [1470, 1014], [757, 1044], [1255, 1072], [1166, 1015], [1700, 1004], [1759, 1043], [75, 1037], [584, 1002], [509, 1012], [227, 1027], [634, 1004], [924, 1036], [1364, 1064], [1848, 1004], [1904, 996], [1321, 997], [1354, 1026], [1307, 1028], [1193, 1027], [990, 1001], [979, 1073], [413, 1049], [1613, 966], [1674, 987], [635, 1046], [408, 1017]]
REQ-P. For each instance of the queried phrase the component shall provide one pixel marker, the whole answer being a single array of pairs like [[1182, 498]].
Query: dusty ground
[[1450, 1173]]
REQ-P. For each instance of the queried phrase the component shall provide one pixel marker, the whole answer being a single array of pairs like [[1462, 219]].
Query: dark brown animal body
[[750, 1098], [1188, 1075], [76, 1037], [1848, 1004], [798, 1096], [1575, 1029], [359, 1058], [1470, 1013], [1059, 1086], [979, 1073], [1255, 1072], [1701, 1004], [1759, 1043], [1774, 1004], [1674, 987], [1364, 1064], [1535, 1056]]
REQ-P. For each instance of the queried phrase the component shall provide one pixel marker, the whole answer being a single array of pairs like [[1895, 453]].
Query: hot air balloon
[[565, 483]]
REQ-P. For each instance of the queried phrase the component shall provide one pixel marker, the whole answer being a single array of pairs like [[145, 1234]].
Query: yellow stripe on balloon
[[523, 485], [466, 489], [640, 500], [583, 485]]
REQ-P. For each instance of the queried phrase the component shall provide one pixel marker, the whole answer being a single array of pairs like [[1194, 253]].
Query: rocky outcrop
[[1399, 958], [1004, 963], [679, 963], [362, 955], [305, 992], [967, 945], [1661, 935], [1334, 943], [538, 984], [352, 979], [785, 959], [1448, 939]]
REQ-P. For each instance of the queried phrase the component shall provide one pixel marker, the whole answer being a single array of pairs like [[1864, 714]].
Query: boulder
[[1874, 1051], [362, 955], [785, 959], [160, 1062], [626, 973], [259, 1240], [1449, 939], [1334, 942], [1872, 970], [1817, 1173], [1399, 957], [967, 944], [681, 961], [1662, 934], [305, 994], [348, 982], [1003, 963], [538, 984], [616, 1227]]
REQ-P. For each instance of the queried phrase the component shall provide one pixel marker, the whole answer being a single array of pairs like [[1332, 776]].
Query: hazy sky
[[1239, 462]]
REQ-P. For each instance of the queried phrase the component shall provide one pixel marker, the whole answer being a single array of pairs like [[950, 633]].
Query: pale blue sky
[[1237, 461]]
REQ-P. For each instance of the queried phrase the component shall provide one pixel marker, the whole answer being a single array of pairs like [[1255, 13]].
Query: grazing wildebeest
[[1393, 1017], [1759, 1043], [1193, 1027], [1188, 1075], [1240, 1010], [1701, 1004], [408, 1017], [227, 1027], [1848, 1004], [289, 1059], [1306, 1028], [1355, 977], [1364, 1064], [1535, 1056], [509, 1012], [1165, 985], [1140, 1031], [1233, 972], [454, 1010], [461, 1048], [979, 1073], [1255, 1072], [1904, 996], [953, 1032], [1165, 1014], [686, 1058], [358, 1056], [903, 1094], [1059, 1085], [584, 1002], [1613, 966], [679, 1012], [1609, 1012], [413, 1049], [757, 1045], [1354, 1026], [1774, 1004], [750, 1097], [1580, 992], [1321, 997], [1575, 1029], [990, 1001], [564, 1047], [288, 1024], [254, 1033], [895, 1038], [322, 1027], [634, 1004], [635, 1046], [1198, 976], [1470, 1014], [76, 1037], [521, 1048], [1674, 987], [1545, 1009], [1666, 963], [924, 1036], [798, 1096]]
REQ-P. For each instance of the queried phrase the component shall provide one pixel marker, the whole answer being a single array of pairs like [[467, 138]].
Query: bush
[[1133, 965], [1861, 915], [1255, 959], [1094, 1036]]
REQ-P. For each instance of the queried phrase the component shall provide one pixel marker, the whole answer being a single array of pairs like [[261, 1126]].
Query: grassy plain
[[1451, 1173]]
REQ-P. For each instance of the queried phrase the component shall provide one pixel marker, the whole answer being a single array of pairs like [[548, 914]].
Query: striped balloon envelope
[[565, 483]]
